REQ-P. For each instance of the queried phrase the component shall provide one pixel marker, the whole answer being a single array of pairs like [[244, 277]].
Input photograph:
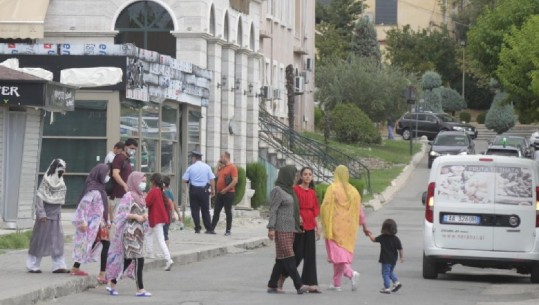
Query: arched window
[[252, 37], [147, 25], [239, 39], [225, 27], [212, 21]]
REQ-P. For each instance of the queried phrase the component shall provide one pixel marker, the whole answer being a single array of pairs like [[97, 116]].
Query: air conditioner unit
[[309, 64], [277, 94], [306, 76], [299, 85], [305, 118], [267, 93]]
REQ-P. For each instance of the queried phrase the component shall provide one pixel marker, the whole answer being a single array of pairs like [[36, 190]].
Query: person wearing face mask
[[121, 169], [126, 257], [92, 222], [48, 235]]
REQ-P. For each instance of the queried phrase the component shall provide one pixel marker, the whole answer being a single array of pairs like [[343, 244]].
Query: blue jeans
[[388, 275], [390, 135]]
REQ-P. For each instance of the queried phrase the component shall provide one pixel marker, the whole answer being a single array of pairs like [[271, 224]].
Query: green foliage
[[465, 117], [501, 116], [256, 172], [478, 96], [485, 38], [240, 186], [481, 118], [376, 89], [518, 70], [430, 80], [358, 184], [18, 240], [364, 40], [433, 100], [320, 189], [451, 100], [341, 13], [528, 117], [318, 118], [467, 15], [351, 125], [329, 44]]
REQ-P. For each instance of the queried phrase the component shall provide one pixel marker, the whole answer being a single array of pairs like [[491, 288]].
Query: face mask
[[107, 178], [131, 152], [142, 186]]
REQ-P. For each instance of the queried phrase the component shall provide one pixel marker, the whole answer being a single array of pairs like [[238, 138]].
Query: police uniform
[[199, 176]]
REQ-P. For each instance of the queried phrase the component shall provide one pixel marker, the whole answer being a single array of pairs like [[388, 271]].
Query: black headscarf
[[285, 180], [96, 182]]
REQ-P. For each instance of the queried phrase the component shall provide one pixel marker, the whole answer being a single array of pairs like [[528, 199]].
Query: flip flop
[[35, 271]]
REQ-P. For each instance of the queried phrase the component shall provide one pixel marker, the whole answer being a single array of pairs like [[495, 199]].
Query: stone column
[[227, 96], [240, 108], [253, 73], [213, 113]]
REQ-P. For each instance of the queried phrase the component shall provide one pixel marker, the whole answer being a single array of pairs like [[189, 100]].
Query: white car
[[534, 140], [482, 211]]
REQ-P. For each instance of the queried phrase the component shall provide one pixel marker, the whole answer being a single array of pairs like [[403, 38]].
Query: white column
[[213, 113], [253, 73], [227, 96], [240, 109]]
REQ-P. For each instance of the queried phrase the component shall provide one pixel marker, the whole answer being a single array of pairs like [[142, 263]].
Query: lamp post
[[463, 44], [410, 95]]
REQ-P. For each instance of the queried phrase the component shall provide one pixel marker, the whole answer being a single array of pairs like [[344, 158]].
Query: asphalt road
[[241, 278]]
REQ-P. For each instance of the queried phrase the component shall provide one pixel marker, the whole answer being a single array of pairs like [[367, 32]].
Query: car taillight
[[429, 203], [537, 206]]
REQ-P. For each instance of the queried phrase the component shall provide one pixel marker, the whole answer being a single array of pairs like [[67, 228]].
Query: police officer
[[201, 181]]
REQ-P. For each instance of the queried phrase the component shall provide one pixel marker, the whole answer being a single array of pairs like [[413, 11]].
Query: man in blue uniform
[[201, 186]]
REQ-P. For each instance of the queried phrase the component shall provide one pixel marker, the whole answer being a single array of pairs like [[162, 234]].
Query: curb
[[380, 199], [79, 284]]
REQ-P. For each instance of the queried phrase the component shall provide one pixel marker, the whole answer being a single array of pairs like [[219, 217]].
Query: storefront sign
[[51, 96], [59, 97]]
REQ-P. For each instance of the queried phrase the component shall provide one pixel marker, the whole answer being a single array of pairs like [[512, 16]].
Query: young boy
[[390, 249], [175, 212]]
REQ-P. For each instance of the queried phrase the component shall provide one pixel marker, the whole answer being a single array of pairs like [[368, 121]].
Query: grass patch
[[18, 240], [380, 179], [395, 152]]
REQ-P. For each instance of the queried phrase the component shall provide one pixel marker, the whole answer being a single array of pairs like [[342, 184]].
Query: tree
[[329, 43], [351, 125], [468, 12], [500, 116], [518, 70], [364, 40], [451, 100], [485, 39], [431, 82], [340, 13], [290, 94]]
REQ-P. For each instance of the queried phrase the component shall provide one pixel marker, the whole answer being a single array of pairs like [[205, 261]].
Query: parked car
[[450, 143], [501, 150], [534, 140], [429, 124], [482, 211], [513, 140]]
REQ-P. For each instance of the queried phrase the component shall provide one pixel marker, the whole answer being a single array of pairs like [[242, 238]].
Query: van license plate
[[461, 219]]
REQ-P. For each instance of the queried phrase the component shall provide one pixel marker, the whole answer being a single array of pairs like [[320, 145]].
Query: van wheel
[[534, 276], [430, 271], [406, 134]]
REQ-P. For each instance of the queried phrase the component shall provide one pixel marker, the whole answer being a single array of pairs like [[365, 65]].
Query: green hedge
[[256, 172], [240, 186], [321, 188], [465, 117], [481, 118]]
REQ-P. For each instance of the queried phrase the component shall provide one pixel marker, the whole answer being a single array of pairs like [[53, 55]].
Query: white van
[[482, 211]]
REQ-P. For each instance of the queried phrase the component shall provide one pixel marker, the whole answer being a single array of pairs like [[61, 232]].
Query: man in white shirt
[[118, 148]]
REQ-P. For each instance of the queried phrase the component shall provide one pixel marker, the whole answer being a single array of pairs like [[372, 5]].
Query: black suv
[[430, 124]]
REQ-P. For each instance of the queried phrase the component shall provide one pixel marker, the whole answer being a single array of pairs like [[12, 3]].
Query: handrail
[[320, 156]]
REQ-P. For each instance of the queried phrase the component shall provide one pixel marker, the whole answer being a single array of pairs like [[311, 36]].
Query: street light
[[463, 44]]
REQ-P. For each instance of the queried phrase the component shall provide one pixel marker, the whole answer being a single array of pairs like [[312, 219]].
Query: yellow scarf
[[340, 210]]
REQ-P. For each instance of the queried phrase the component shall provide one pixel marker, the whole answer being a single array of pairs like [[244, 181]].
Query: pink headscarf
[[133, 181]]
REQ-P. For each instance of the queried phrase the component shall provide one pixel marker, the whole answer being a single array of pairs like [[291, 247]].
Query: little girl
[[390, 245]]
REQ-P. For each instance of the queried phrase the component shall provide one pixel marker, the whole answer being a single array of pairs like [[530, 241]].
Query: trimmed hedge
[[240, 186], [465, 117], [256, 172], [481, 118]]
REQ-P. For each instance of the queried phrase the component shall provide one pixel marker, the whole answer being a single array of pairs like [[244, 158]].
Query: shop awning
[[22, 18]]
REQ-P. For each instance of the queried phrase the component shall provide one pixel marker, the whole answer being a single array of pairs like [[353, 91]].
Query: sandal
[[78, 272]]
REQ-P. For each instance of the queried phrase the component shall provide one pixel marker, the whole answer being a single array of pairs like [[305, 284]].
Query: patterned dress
[[89, 211], [133, 239]]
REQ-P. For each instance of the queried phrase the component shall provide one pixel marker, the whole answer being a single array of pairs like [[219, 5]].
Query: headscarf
[[52, 189], [285, 180], [340, 210], [96, 182], [133, 181]]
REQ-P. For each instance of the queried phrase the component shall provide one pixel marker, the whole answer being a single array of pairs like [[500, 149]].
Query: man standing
[[227, 178], [390, 128], [121, 169], [201, 185], [118, 148]]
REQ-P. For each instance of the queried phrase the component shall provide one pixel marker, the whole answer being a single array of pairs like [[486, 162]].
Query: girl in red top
[[305, 242], [158, 215]]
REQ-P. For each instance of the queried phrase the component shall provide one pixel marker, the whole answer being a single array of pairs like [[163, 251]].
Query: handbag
[[103, 232]]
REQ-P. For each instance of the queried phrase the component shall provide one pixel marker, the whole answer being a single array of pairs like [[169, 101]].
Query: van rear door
[[514, 206], [463, 203]]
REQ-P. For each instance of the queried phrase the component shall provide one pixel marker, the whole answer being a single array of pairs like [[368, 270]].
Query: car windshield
[[508, 141], [451, 140], [446, 118], [503, 152]]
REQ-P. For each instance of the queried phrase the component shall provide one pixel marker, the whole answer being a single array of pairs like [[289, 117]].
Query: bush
[[351, 125], [465, 117], [527, 117], [431, 80], [320, 190], [358, 184], [501, 116], [256, 172], [240, 186], [481, 118], [318, 118]]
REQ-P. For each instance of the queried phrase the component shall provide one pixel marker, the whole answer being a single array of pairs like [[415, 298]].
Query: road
[[241, 278]]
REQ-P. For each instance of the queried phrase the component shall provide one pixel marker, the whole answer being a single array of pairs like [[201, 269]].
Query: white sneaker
[[331, 287], [355, 279], [385, 291], [168, 266], [396, 287]]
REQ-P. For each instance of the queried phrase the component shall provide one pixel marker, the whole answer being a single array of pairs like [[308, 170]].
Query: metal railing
[[308, 152]]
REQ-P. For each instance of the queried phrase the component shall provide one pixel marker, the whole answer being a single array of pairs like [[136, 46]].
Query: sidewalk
[[20, 287]]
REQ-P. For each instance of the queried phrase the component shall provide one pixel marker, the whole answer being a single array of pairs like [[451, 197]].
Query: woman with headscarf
[[341, 214], [126, 255], [284, 221], [92, 222], [48, 235]]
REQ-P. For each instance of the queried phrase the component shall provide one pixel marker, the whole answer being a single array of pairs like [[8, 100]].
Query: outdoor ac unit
[[306, 75], [277, 94], [309, 64], [267, 93], [299, 85]]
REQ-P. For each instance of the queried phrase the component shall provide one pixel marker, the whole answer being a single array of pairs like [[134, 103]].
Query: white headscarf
[[52, 188]]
